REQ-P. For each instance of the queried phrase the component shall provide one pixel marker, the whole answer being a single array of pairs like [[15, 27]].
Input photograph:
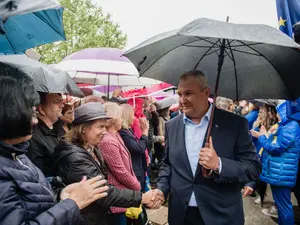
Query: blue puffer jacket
[[26, 197], [280, 156]]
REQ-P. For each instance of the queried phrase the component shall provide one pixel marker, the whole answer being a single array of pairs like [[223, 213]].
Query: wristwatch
[[216, 171]]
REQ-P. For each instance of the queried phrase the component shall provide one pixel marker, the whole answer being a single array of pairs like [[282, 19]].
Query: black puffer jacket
[[72, 163], [26, 197]]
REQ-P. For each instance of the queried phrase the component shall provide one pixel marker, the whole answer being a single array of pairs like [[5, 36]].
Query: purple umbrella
[[98, 66]]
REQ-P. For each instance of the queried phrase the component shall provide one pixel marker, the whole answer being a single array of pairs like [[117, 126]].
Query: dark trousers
[[193, 217], [118, 219]]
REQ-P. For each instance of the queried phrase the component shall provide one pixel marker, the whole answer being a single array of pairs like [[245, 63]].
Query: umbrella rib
[[235, 72], [212, 52], [270, 64], [227, 54], [249, 53], [234, 46], [210, 42], [205, 54], [165, 55], [196, 46], [47, 23], [10, 42]]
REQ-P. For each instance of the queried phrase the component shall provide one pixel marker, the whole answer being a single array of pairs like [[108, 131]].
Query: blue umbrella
[[21, 32]]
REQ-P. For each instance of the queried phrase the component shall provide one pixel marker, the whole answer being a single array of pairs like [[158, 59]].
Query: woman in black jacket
[[80, 156], [26, 197]]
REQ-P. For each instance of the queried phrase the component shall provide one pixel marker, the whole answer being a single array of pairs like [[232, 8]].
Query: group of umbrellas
[[30, 23], [241, 61]]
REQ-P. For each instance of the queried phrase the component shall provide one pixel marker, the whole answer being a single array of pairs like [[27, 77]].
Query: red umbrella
[[146, 90]]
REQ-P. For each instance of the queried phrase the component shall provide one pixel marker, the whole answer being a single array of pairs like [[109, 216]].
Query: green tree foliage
[[86, 26]]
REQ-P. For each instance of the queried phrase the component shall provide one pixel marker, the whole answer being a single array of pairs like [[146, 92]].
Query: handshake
[[153, 199]]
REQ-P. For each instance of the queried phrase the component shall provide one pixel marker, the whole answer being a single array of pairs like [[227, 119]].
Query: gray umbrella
[[46, 78], [167, 102], [256, 61]]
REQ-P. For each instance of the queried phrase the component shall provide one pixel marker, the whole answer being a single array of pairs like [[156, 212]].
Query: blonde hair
[[112, 110], [126, 115]]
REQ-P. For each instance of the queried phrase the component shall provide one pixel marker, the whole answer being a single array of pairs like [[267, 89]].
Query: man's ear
[[207, 92], [41, 110]]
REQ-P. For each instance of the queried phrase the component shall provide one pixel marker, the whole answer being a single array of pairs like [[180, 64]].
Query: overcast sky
[[142, 19]]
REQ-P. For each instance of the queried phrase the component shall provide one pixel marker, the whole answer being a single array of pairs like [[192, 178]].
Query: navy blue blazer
[[137, 148], [219, 197]]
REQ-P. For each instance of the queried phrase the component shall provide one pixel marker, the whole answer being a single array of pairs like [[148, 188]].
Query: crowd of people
[[276, 138], [91, 163]]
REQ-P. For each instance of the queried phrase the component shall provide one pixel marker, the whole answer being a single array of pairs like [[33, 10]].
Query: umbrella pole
[[220, 64], [108, 84], [205, 172]]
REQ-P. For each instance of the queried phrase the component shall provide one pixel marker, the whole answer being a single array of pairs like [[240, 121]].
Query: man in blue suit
[[230, 158]]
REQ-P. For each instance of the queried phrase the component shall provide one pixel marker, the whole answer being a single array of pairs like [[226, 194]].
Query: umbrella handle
[[206, 173]]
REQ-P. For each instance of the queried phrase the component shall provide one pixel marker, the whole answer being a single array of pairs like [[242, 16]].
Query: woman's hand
[[85, 192], [263, 131], [247, 191], [144, 125], [161, 139]]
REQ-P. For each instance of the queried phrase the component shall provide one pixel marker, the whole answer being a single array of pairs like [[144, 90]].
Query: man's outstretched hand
[[153, 199]]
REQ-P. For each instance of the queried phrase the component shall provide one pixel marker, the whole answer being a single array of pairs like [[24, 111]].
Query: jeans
[[118, 219], [282, 198]]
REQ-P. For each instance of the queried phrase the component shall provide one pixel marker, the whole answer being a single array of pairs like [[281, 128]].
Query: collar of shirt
[[207, 116]]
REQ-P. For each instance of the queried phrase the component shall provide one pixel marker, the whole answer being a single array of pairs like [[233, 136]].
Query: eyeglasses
[[59, 100]]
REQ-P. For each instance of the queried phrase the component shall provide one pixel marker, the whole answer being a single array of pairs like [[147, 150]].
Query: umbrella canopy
[[167, 102], [94, 65], [257, 61], [145, 91], [111, 80], [21, 32], [46, 78], [16, 7]]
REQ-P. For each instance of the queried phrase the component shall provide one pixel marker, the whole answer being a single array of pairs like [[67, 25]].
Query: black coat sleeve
[[134, 146], [13, 211], [165, 171], [71, 169]]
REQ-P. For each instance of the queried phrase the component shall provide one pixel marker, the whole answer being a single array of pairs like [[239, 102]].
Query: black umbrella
[[256, 61], [252, 61]]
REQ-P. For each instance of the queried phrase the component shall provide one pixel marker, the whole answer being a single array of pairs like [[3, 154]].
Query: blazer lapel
[[185, 159]]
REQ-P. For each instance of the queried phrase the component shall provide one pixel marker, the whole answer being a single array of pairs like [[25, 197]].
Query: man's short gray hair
[[198, 75]]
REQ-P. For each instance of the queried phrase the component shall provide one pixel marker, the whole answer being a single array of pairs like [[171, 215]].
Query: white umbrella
[[100, 66], [17, 7], [113, 80]]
